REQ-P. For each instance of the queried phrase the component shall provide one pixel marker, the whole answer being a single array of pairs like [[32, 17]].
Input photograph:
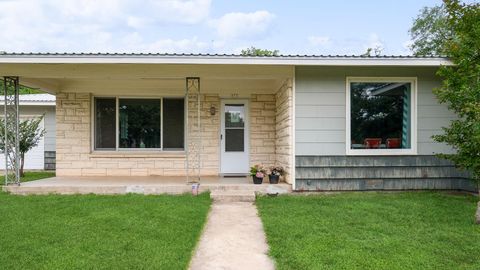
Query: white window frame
[[117, 124], [413, 130]]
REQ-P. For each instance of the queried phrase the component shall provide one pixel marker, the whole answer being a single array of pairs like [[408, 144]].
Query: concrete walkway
[[233, 239]]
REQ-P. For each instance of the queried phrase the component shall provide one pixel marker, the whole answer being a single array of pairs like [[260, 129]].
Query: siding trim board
[[330, 173]]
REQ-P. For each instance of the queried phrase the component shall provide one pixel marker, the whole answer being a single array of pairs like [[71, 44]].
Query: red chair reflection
[[371, 143], [393, 143]]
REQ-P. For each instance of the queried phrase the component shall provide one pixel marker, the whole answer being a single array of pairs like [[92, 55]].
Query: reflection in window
[[139, 123], [173, 126], [105, 109], [380, 115], [234, 128]]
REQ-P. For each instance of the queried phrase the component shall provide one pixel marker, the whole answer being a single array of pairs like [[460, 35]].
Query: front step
[[232, 196]]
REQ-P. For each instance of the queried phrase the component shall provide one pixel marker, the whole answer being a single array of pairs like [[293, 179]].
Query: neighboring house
[[334, 122], [34, 105]]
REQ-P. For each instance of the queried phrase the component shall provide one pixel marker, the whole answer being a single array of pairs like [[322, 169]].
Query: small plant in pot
[[257, 172], [274, 174]]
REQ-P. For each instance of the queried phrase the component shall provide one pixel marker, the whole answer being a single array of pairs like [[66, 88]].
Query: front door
[[234, 137]]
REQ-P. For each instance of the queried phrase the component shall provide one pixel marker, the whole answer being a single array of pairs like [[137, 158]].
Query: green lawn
[[100, 232], [414, 230], [30, 176]]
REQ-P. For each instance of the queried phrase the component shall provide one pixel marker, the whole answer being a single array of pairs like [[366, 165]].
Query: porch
[[139, 120], [111, 185]]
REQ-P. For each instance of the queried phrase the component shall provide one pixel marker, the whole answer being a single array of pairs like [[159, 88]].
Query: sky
[[208, 26]]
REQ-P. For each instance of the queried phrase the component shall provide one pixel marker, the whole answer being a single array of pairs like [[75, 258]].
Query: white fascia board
[[226, 60]]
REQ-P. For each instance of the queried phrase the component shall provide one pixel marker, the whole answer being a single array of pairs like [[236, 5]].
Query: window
[[234, 127], [139, 123], [173, 129], [105, 110], [381, 114]]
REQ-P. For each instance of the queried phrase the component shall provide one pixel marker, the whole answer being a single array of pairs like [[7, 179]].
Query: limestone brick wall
[[262, 129], [210, 140], [270, 131], [75, 158], [284, 124]]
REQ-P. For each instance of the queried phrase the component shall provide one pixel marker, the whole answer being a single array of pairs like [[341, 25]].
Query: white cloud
[[237, 25], [185, 11], [374, 42], [318, 40], [86, 25]]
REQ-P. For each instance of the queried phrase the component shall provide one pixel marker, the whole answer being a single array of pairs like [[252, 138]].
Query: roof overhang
[[287, 60]]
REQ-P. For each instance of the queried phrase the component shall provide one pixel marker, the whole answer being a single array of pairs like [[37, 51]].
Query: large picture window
[[381, 114], [139, 123]]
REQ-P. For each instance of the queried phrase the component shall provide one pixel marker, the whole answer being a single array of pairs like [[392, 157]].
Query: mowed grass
[[100, 232], [415, 230], [31, 176]]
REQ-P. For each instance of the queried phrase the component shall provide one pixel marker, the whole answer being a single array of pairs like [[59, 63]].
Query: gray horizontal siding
[[385, 184], [320, 107], [378, 172]]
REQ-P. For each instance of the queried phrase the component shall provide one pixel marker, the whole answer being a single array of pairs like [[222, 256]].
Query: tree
[[460, 89], [22, 90], [430, 31], [29, 135], [377, 51], [252, 51]]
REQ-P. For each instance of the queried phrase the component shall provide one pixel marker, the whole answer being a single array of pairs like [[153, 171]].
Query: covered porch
[[83, 154]]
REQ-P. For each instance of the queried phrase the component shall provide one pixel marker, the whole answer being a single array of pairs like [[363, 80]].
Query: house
[[41, 157], [334, 122]]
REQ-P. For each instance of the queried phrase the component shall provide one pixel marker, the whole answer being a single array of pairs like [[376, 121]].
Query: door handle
[[221, 136]]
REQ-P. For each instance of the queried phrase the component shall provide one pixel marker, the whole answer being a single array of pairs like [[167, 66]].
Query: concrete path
[[233, 239]]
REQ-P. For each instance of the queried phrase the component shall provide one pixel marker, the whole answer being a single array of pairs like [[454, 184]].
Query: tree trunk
[[22, 162]]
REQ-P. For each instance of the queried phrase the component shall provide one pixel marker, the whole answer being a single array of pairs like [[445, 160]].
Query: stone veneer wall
[[268, 143], [74, 157], [284, 124], [262, 129]]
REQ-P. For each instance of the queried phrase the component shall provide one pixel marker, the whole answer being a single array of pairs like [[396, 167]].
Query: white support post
[[11, 139], [193, 130]]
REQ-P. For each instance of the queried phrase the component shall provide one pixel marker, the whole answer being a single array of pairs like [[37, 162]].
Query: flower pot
[[257, 180], [273, 178]]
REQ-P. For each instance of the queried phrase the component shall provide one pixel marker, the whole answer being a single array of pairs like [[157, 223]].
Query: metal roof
[[230, 59], [34, 99], [90, 54]]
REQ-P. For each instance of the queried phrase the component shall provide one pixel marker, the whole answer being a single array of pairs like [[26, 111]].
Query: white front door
[[234, 137]]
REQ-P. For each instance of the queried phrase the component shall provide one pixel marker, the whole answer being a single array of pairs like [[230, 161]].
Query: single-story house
[[41, 157], [333, 122]]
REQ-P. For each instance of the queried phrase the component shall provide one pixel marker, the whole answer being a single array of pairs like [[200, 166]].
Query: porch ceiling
[[54, 78]]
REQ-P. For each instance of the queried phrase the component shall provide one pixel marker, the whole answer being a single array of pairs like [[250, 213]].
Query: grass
[[30, 176], [417, 230], [100, 232]]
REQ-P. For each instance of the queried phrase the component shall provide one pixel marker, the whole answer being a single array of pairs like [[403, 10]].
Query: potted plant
[[257, 172], [274, 174]]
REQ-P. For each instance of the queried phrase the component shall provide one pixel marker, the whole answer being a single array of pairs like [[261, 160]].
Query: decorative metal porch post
[[11, 120], [194, 129]]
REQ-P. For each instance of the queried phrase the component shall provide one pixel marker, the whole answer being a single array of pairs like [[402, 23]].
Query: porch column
[[193, 130], [10, 132]]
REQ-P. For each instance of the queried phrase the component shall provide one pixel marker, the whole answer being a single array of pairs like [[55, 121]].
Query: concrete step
[[232, 196], [244, 187]]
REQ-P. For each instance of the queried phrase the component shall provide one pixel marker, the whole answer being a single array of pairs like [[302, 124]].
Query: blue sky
[[207, 26]]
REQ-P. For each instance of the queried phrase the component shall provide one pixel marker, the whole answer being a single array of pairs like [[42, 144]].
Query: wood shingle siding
[[378, 173]]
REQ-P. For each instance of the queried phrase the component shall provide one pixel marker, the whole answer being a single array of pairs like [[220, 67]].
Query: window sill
[[380, 152], [137, 154]]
